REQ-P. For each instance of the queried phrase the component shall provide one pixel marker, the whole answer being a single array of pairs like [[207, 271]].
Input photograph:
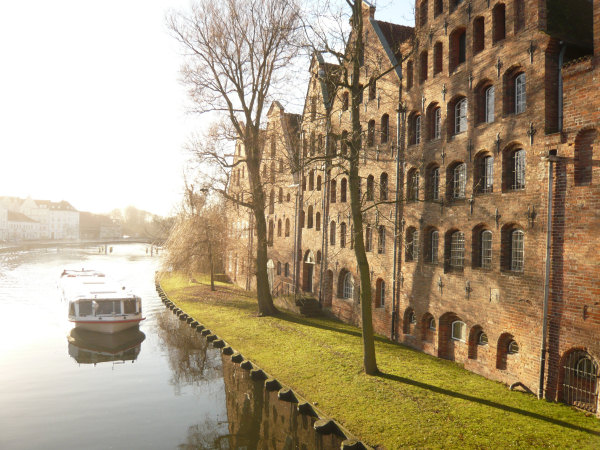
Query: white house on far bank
[[21, 227]]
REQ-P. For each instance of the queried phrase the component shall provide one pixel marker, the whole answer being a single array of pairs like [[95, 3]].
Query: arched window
[[332, 232], [380, 293], [412, 244], [280, 196], [520, 94], [318, 182], [460, 116], [437, 123], [311, 181], [518, 169], [273, 172], [281, 166], [478, 35], [343, 190], [368, 238], [423, 69], [458, 49], [415, 129], [371, 133], [432, 247], [287, 227], [484, 174], [459, 331], [318, 221], [381, 240], [519, 10], [272, 202], [438, 7], [344, 143], [383, 186], [412, 189], [309, 219], [457, 250], [301, 219], [498, 22], [372, 89], [271, 232], [273, 147], [345, 101], [318, 257], [409, 75], [278, 268], [423, 12], [279, 228], [348, 292], [333, 193], [438, 58], [343, 235], [286, 269], [517, 250], [385, 128], [370, 187], [490, 101], [485, 254], [433, 183], [458, 172]]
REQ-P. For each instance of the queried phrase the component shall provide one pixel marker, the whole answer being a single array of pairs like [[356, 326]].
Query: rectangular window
[[459, 331], [435, 184], [460, 117], [437, 128], [418, 130], [488, 174], [460, 181]]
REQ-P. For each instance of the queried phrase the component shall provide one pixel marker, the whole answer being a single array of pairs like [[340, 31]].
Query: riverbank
[[417, 401], [49, 243]]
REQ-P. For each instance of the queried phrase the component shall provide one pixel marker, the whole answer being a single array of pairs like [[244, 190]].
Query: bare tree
[[237, 53], [329, 34], [196, 239]]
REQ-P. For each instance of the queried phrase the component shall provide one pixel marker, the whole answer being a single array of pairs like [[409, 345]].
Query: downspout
[[551, 158], [325, 208], [561, 57], [396, 212]]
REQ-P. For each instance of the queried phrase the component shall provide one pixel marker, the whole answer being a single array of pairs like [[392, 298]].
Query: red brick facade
[[486, 100]]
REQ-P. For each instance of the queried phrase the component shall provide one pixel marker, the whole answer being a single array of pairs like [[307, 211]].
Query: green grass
[[418, 401]]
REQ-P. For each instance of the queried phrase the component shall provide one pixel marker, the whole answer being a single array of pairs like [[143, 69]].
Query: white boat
[[97, 304]]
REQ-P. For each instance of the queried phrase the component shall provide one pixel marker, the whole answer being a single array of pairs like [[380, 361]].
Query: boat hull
[[106, 326]]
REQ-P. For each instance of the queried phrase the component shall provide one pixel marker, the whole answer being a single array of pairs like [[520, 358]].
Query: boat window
[[108, 307], [129, 305], [71, 309], [85, 308]]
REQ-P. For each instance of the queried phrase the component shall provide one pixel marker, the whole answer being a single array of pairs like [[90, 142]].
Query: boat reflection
[[89, 347]]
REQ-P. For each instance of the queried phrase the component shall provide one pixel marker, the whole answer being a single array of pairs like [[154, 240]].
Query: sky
[[91, 107]]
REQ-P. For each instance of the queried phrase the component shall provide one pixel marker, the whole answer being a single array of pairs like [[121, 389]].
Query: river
[[160, 387]]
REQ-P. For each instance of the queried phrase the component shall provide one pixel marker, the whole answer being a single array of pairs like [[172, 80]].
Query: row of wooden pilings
[[322, 424]]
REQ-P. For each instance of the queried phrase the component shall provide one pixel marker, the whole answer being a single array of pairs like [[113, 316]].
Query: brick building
[[495, 97]]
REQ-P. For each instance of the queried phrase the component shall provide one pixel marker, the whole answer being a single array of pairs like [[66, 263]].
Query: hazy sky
[[91, 109]]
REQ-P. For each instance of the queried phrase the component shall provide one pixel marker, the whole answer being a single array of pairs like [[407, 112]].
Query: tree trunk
[[263, 292], [369, 359], [212, 267]]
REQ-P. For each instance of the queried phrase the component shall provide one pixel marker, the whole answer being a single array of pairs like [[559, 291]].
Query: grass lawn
[[417, 401]]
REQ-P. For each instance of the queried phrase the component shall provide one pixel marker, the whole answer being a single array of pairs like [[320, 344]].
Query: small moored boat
[[96, 304]]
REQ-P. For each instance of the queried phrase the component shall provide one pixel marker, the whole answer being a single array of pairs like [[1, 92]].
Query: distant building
[[98, 226], [22, 228]]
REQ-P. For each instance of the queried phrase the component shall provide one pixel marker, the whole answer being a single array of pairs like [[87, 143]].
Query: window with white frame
[[459, 331], [437, 123], [482, 339], [348, 286], [518, 169], [457, 250], [520, 95], [435, 183], [486, 249], [432, 325], [418, 130], [517, 251], [487, 172], [433, 249], [459, 181], [513, 348], [489, 104], [460, 116]]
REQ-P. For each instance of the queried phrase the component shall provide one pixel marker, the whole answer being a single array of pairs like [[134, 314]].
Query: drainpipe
[[551, 158], [399, 114], [561, 57], [325, 208]]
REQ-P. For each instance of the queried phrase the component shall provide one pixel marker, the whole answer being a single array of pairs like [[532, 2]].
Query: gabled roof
[[392, 36], [14, 216]]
